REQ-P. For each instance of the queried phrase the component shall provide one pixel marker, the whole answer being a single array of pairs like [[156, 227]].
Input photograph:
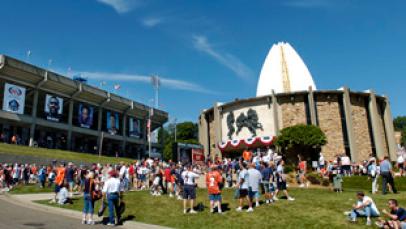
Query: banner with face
[[53, 107], [14, 98], [85, 116], [134, 127], [112, 123]]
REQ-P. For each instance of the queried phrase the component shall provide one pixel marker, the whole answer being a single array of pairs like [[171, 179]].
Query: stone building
[[355, 123]]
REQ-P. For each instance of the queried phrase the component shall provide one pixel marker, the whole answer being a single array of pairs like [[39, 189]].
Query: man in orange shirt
[[247, 155], [213, 182], [60, 176]]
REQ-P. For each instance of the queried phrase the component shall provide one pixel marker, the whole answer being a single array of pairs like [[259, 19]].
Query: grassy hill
[[59, 155]]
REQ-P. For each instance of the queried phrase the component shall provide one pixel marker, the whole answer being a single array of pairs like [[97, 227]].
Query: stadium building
[[355, 123], [42, 108]]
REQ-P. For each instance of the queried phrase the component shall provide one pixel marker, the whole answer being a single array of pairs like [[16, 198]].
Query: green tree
[[301, 139], [403, 140], [400, 123], [186, 132]]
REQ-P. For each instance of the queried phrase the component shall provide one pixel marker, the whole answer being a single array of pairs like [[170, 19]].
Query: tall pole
[[101, 144], [156, 83], [149, 132], [175, 129]]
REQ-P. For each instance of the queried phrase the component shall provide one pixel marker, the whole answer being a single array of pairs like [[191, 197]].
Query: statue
[[250, 121], [230, 125]]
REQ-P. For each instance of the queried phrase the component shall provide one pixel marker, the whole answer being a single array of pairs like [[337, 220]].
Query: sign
[[197, 156], [14, 98], [53, 107], [85, 116], [112, 123], [134, 127]]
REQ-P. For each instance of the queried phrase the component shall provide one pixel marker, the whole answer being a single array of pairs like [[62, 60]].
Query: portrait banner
[[14, 98]]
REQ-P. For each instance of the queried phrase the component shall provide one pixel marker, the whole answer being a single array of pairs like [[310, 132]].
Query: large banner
[[198, 156], [14, 98], [53, 107], [85, 116], [112, 123], [134, 128]]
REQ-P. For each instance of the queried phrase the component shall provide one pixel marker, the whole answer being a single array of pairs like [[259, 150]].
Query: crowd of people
[[253, 175]]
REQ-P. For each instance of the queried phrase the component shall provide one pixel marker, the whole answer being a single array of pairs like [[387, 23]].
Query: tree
[[400, 123], [186, 132], [301, 139]]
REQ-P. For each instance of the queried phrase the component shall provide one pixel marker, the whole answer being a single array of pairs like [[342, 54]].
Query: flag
[[117, 86]]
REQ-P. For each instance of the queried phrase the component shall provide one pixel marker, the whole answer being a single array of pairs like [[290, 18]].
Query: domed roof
[[284, 71]]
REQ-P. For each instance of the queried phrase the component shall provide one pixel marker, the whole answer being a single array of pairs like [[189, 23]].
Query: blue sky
[[207, 51]]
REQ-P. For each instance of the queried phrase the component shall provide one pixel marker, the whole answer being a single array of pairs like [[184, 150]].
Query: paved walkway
[[19, 211]]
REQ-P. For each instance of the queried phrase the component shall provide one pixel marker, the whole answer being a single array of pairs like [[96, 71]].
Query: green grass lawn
[[58, 154], [30, 189], [313, 208]]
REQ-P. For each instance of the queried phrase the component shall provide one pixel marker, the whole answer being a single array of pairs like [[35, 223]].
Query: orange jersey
[[213, 179], [247, 155], [60, 175]]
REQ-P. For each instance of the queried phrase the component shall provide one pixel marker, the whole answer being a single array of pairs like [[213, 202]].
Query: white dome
[[284, 71]]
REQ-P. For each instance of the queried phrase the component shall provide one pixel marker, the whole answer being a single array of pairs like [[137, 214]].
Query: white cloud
[[165, 82], [151, 21], [231, 62], [121, 6], [308, 3]]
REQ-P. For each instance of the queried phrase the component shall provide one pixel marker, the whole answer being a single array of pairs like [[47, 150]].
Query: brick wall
[[330, 122], [359, 114], [293, 112]]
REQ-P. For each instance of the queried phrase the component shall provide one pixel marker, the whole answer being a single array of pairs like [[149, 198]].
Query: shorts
[[268, 187], [252, 194], [215, 197], [281, 185], [243, 193], [71, 184], [57, 188], [347, 168], [189, 192]]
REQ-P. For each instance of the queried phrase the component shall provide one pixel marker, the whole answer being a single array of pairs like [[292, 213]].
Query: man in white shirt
[[346, 164], [111, 191], [242, 184], [365, 207], [321, 161], [254, 179], [124, 175], [189, 189]]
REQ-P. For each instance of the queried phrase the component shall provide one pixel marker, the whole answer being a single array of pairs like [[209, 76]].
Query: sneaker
[[83, 221], [307, 184], [184, 211], [301, 186], [90, 222], [212, 210], [111, 224], [291, 199], [180, 198], [369, 222], [250, 210], [379, 224], [257, 204], [275, 198], [347, 213], [267, 201], [193, 212], [170, 195], [239, 209]]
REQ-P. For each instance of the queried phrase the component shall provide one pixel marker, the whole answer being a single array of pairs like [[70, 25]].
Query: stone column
[[349, 125], [312, 107], [217, 129], [99, 127], [124, 127], [34, 117], [390, 132], [376, 127], [70, 117], [203, 133], [275, 115]]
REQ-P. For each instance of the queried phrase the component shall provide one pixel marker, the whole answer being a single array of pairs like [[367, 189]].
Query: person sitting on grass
[[365, 207], [63, 195], [396, 216]]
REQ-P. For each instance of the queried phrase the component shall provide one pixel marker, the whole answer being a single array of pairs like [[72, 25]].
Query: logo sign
[[53, 107], [14, 98]]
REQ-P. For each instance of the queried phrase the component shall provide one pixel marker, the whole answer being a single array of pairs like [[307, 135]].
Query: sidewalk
[[27, 201]]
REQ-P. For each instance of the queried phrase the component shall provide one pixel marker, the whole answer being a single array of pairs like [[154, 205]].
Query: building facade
[[42, 108], [355, 123]]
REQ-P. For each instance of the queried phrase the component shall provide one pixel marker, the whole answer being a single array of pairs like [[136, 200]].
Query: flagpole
[[149, 133]]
